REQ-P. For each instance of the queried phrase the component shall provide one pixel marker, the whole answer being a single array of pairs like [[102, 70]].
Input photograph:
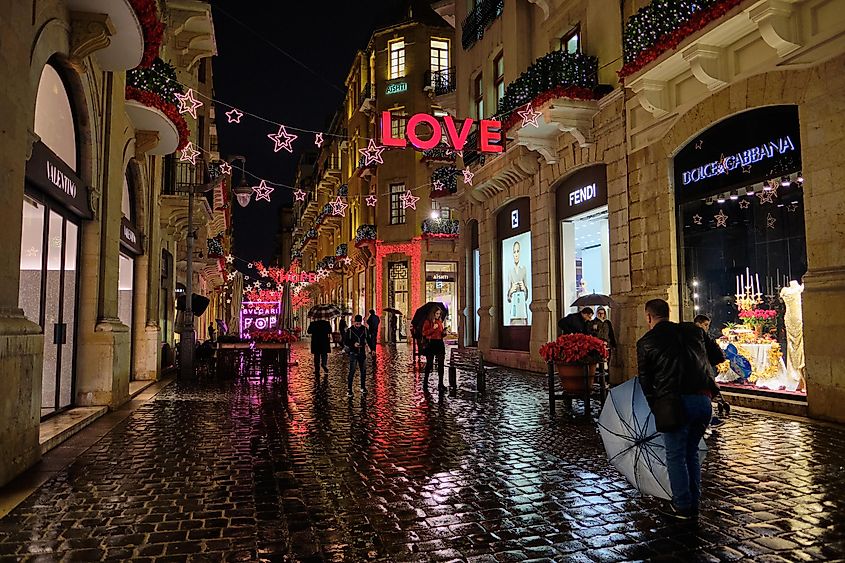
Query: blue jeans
[[356, 360], [682, 460]]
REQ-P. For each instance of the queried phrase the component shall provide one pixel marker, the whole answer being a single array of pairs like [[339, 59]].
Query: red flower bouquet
[[575, 349], [152, 27], [758, 317]]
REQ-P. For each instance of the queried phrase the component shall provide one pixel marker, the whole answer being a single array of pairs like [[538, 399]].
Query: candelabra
[[748, 294]]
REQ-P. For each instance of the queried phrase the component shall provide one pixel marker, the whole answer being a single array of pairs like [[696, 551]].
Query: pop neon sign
[[490, 133], [259, 315]]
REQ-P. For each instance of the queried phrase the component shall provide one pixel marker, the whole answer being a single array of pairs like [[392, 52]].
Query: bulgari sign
[[51, 176]]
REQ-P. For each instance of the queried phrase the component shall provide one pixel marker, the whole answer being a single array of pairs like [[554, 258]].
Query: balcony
[[341, 250], [439, 154], [151, 107], [441, 82], [366, 234], [441, 228], [478, 20], [367, 99], [192, 25]]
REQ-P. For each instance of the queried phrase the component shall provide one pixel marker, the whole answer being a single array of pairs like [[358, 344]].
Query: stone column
[[542, 267], [488, 333]]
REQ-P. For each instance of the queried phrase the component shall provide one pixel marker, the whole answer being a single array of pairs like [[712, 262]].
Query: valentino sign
[[59, 180], [490, 132]]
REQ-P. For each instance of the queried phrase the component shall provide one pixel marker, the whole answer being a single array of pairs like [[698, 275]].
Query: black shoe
[[674, 512], [441, 387], [325, 367], [715, 422], [363, 390]]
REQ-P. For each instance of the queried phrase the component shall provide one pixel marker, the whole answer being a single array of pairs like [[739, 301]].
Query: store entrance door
[[397, 296]]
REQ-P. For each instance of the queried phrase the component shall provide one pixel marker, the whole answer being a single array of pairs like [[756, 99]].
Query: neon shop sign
[[396, 88], [489, 139], [741, 159], [259, 315], [581, 195]]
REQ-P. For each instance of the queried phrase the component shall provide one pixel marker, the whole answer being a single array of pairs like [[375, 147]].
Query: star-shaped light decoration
[[438, 185], [770, 221], [347, 260], [189, 154], [234, 115], [299, 195], [282, 139], [339, 207], [371, 200], [230, 259], [188, 103], [32, 251], [230, 276], [767, 196], [721, 219], [226, 168], [792, 207], [698, 144], [467, 176], [744, 204], [529, 115], [262, 191], [318, 139], [322, 273], [746, 169], [409, 200], [452, 152], [372, 154], [696, 219]]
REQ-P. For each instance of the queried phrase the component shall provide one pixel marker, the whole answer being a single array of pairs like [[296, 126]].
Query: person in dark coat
[[321, 332], [675, 377], [355, 343], [603, 329], [576, 323], [393, 327], [715, 356], [341, 328], [372, 327]]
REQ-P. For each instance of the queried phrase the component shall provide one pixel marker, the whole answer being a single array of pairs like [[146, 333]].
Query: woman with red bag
[[433, 331]]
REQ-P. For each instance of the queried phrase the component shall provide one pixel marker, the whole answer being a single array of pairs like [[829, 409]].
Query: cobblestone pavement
[[226, 470]]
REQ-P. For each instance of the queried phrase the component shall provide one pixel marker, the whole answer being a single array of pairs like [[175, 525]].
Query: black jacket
[[672, 359], [573, 323], [372, 324], [320, 332], [356, 335]]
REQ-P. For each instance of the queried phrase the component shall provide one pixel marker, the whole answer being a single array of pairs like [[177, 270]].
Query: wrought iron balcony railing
[[365, 233], [341, 249], [441, 228], [478, 20], [441, 81]]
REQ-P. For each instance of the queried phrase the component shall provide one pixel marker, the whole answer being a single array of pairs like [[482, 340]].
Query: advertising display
[[516, 275]]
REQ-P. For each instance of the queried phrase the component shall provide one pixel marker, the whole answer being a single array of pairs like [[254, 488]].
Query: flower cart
[[574, 358]]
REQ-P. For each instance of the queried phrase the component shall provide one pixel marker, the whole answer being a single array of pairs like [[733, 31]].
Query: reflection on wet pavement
[[227, 470]]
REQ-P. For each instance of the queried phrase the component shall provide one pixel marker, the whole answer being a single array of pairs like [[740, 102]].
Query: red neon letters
[[490, 133]]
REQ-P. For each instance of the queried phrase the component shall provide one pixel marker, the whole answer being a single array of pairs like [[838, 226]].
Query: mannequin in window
[[518, 290], [793, 320]]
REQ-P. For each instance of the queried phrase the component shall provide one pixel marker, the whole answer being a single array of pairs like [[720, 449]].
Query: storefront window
[[124, 299], [441, 286], [513, 227], [741, 207]]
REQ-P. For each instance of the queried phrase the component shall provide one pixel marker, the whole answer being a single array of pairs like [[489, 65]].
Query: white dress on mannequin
[[793, 321]]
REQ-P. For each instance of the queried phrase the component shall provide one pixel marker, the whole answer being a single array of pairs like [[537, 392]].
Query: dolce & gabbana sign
[[52, 177]]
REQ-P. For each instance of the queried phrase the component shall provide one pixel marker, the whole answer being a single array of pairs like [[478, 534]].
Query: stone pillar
[[542, 271], [488, 333]]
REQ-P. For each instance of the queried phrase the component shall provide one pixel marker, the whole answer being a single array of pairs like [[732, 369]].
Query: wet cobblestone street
[[226, 470]]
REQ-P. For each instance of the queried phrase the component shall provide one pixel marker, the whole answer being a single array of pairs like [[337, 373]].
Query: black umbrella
[[423, 312], [326, 311], [594, 299], [392, 310]]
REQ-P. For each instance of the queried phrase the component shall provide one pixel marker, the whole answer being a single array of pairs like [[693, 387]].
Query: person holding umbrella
[[433, 331], [372, 327], [320, 331]]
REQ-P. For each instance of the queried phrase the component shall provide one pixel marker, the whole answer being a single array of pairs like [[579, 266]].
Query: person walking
[[321, 332], [603, 329], [674, 372], [355, 342], [341, 328], [433, 331], [372, 328], [393, 327], [576, 323], [715, 356]]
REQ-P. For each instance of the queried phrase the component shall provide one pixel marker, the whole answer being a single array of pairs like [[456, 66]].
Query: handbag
[[668, 412]]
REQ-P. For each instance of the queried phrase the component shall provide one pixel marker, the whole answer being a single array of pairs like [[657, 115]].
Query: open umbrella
[[392, 310], [632, 443], [594, 299], [421, 314], [326, 311]]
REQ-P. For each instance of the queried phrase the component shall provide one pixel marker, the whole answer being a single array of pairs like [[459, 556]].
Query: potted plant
[[570, 354]]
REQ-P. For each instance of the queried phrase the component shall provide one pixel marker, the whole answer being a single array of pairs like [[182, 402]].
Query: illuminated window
[[571, 41], [439, 54], [499, 79], [440, 114], [443, 212], [478, 90], [397, 210], [398, 120], [397, 58]]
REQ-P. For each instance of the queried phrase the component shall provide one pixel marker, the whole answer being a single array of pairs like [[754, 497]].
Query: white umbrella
[[633, 445]]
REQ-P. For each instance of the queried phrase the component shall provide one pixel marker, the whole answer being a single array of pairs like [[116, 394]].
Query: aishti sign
[[259, 315], [747, 157], [490, 133]]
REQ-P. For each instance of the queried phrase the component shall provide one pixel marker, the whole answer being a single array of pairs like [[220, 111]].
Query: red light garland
[[412, 249]]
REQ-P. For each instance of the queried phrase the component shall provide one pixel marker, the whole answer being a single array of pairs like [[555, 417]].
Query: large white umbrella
[[633, 444]]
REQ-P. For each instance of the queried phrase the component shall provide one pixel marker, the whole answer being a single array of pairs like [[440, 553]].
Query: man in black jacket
[[576, 322], [355, 342], [674, 374]]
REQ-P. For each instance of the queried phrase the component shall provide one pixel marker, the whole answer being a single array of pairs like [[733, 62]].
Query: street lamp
[[242, 191]]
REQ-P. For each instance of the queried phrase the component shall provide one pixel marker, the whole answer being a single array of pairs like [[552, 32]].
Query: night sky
[[255, 77]]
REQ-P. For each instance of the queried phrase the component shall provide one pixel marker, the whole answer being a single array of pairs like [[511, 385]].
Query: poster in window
[[516, 280]]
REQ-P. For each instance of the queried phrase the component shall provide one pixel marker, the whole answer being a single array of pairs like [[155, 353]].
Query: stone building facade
[[80, 298]]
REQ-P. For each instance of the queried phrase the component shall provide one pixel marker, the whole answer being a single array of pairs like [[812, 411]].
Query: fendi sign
[[51, 176]]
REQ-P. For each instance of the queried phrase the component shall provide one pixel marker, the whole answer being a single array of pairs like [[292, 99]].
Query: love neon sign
[[490, 132]]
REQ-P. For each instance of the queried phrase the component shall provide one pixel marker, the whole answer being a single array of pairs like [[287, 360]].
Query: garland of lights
[[441, 228], [152, 28], [412, 249], [662, 25], [444, 180], [364, 235]]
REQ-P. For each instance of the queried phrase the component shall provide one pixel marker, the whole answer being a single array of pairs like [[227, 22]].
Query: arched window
[[54, 121]]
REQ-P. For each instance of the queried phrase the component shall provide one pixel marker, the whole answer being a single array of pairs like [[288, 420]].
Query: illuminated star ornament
[[372, 154], [229, 258], [299, 195], [746, 169], [32, 251], [234, 115], [282, 139], [371, 200], [318, 139], [698, 144], [767, 196], [409, 200], [347, 260], [529, 115], [438, 185], [696, 219], [262, 191], [226, 168], [467, 176], [338, 207], [230, 276], [744, 204], [189, 154], [188, 103], [770, 221], [792, 207], [721, 219], [322, 273]]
